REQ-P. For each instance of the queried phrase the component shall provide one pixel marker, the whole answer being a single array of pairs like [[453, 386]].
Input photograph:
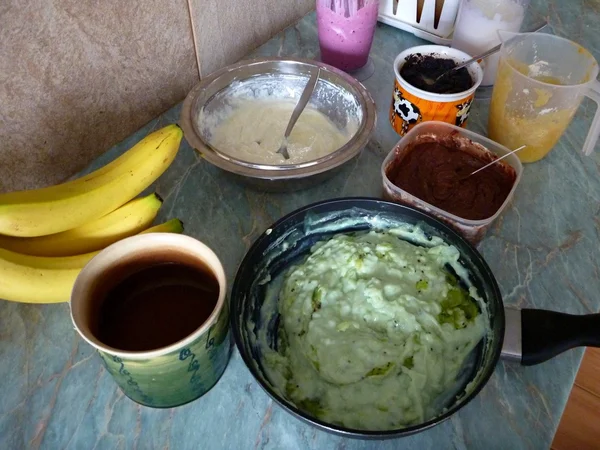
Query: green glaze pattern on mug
[[178, 377]]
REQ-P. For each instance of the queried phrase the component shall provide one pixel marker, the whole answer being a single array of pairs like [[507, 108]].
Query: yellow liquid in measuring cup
[[530, 123]]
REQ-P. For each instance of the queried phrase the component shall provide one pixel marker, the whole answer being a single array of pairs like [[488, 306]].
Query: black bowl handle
[[546, 334]]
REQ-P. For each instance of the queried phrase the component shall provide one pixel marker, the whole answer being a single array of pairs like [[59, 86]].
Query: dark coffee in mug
[[152, 301], [155, 307]]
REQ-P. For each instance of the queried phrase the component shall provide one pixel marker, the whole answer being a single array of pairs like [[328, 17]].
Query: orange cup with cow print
[[411, 105]]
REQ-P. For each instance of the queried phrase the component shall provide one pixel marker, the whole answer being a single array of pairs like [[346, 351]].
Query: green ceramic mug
[[174, 374]]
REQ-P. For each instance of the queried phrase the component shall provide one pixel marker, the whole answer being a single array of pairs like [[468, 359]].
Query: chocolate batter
[[417, 65], [436, 172]]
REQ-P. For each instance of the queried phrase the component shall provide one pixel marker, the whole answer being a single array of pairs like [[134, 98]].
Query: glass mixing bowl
[[337, 95]]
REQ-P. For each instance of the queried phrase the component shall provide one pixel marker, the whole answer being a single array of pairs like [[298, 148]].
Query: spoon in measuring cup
[[304, 98]]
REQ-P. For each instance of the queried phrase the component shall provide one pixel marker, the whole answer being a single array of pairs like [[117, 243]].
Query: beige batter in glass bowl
[[346, 104], [254, 132]]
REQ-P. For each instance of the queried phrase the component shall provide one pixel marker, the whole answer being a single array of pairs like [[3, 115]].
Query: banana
[[170, 226], [72, 204], [39, 279], [44, 279], [129, 219]]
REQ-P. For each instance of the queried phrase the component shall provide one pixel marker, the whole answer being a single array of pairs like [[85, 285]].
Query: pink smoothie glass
[[346, 29]]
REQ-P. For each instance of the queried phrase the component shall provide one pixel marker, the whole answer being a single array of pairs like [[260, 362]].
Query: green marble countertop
[[544, 252]]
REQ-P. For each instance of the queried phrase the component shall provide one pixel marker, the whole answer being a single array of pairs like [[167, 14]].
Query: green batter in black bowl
[[373, 320]]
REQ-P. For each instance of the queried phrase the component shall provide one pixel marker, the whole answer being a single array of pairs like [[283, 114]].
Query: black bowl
[[291, 238]]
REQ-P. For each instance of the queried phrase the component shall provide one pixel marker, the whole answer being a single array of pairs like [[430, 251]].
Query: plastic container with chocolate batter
[[483, 148]]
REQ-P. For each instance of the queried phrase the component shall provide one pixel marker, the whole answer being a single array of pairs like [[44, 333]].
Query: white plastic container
[[472, 230], [404, 14], [477, 24]]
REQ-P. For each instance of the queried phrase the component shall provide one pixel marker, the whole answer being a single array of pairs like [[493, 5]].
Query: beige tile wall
[[226, 30], [78, 76]]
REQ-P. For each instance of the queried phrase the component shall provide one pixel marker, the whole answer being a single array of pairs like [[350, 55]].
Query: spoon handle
[[304, 98], [491, 51], [469, 61]]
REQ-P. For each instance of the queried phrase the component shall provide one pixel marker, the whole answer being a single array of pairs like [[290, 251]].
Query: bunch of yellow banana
[[48, 235]]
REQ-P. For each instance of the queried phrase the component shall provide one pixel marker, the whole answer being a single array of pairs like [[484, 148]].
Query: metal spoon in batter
[[304, 98]]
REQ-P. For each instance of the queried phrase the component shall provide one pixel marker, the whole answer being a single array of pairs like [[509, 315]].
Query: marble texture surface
[[543, 251]]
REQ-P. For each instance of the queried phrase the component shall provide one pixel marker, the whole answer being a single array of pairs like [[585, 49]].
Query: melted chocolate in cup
[[418, 66], [436, 170]]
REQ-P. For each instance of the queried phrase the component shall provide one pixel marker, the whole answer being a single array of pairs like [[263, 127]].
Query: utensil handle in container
[[304, 99], [546, 334], [594, 131]]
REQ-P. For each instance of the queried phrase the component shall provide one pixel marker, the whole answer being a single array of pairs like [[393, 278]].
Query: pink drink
[[346, 41]]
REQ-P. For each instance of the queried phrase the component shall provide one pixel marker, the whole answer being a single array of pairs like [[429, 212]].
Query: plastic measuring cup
[[540, 83]]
